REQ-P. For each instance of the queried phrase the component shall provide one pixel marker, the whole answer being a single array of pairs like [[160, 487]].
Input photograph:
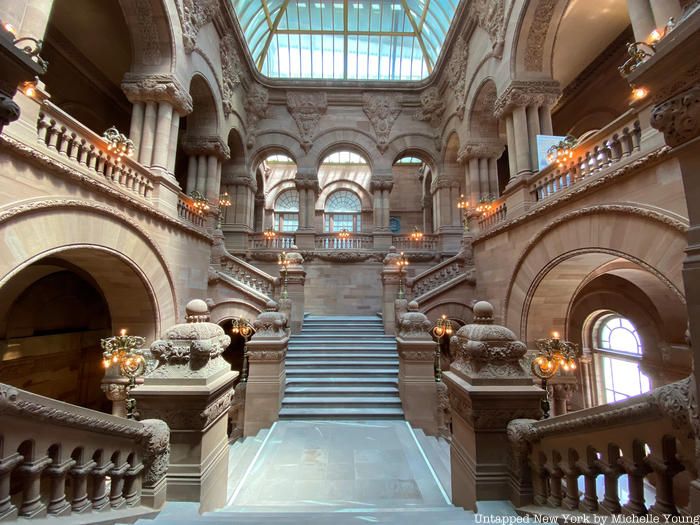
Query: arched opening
[[53, 314], [286, 211], [344, 180], [241, 188], [409, 206], [82, 78], [275, 174], [235, 350]]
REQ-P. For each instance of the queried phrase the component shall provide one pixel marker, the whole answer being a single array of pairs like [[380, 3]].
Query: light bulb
[[639, 93]]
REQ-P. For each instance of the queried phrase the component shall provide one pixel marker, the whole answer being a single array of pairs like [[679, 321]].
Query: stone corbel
[[159, 87]]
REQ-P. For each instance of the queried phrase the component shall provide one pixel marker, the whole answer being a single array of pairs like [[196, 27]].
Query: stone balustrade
[[611, 146], [436, 276], [580, 461], [494, 217], [58, 459], [186, 211], [331, 241], [248, 274], [258, 241], [404, 243]]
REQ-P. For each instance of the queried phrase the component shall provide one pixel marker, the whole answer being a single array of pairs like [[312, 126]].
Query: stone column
[[30, 471], [8, 511], [191, 391], [209, 152], [488, 387], [29, 17], [448, 220], [307, 186], [417, 386], [483, 173], [642, 18], [159, 101], [390, 290], [267, 350], [381, 187], [237, 223], [669, 78]]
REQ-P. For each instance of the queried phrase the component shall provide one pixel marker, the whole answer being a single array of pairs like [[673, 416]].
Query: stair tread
[[342, 399], [342, 362], [345, 379], [328, 411], [342, 355], [332, 390]]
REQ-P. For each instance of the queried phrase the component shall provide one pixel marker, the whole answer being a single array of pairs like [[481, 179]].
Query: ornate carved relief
[[456, 72], [270, 323], [156, 451], [532, 93], [158, 87], [382, 111], [534, 46], [207, 146], [678, 118], [414, 324], [147, 29], [489, 16], [306, 110], [231, 72], [432, 107], [194, 15], [480, 150]]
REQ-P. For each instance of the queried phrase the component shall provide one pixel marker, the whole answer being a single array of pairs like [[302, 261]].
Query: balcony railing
[[494, 217], [609, 146], [331, 241], [258, 241], [404, 243], [187, 212]]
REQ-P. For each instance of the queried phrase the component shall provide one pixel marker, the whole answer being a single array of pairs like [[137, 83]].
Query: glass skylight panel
[[345, 39]]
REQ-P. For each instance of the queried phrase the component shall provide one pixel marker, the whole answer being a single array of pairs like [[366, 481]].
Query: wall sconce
[[552, 354], [125, 350]]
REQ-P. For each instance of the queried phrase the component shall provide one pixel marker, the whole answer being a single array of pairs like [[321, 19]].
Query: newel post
[[296, 276], [488, 387], [267, 350], [191, 390], [417, 386], [390, 290]]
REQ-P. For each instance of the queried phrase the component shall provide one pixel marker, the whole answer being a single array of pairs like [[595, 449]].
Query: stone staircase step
[[438, 458], [341, 413], [300, 355], [356, 391], [350, 348], [346, 380], [330, 402], [345, 372], [296, 363]]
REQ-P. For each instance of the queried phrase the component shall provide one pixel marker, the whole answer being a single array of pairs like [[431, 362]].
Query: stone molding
[[487, 418], [157, 87], [521, 93], [306, 184], [480, 150], [537, 35], [678, 118], [417, 355], [207, 146], [214, 410], [432, 107], [381, 185], [382, 110], [156, 454], [270, 323], [94, 185], [307, 109]]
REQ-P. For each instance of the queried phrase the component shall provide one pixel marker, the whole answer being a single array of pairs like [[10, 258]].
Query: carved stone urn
[[191, 389]]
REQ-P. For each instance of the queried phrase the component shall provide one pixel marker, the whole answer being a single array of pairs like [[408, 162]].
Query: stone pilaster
[[307, 186], [296, 276], [487, 388], [267, 350], [417, 386], [238, 219], [191, 391], [381, 189]]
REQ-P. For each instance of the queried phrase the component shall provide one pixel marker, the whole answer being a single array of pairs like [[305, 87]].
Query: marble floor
[[331, 464]]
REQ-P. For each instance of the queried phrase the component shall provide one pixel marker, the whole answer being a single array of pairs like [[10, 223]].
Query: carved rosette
[[159, 87], [208, 147], [533, 93], [382, 111], [486, 353], [306, 109], [414, 324], [432, 107], [192, 349]]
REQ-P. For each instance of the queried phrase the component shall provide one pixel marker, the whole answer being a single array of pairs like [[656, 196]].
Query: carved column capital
[[678, 117], [381, 185], [158, 87], [530, 93], [480, 150], [207, 146]]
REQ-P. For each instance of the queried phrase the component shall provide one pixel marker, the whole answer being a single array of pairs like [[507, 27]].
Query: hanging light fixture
[[269, 234], [416, 234], [561, 152], [344, 234]]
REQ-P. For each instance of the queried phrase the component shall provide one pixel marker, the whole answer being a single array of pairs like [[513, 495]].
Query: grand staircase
[[342, 367]]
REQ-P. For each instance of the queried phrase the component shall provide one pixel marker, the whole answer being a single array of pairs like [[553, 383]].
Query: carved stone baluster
[[7, 510], [80, 502], [665, 469], [636, 470], [636, 135], [53, 135], [132, 485], [611, 472], [590, 472], [65, 141], [42, 127], [626, 142], [109, 168], [74, 147], [30, 471], [571, 472], [539, 485], [116, 489], [555, 485], [58, 505], [99, 497]]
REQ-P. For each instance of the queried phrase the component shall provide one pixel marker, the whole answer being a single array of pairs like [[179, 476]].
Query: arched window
[[619, 351], [287, 211], [343, 212]]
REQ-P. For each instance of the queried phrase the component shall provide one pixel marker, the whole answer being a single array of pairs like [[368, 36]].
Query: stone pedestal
[[305, 239], [518, 197], [266, 372], [390, 290], [382, 240], [417, 386], [191, 391], [451, 238], [487, 388], [296, 276]]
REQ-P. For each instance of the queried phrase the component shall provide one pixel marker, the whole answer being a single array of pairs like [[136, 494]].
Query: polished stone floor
[[351, 464]]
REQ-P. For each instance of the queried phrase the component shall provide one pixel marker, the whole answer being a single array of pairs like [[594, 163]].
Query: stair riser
[[342, 363], [369, 404]]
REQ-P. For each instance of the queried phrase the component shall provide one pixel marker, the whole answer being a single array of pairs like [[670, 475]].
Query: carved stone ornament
[[486, 353], [444, 413], [270, 323], [306, 110], [431, 107], [148, 33], [456, 72], [391, 257], [536, 37], [210, 414], [256, 104], [678, 118], [191, 349], [194, 15], [158, 87], [156, 451], [414, 324], [207, 146], [382, 111], [231, 72], [480, 150], [527, 93], [489, 15]]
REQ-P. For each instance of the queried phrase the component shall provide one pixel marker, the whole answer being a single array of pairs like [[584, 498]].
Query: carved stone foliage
[[480, 150], [231, 71], [382, 111], [158, 87], [456, 72], [194, 15], [414, 324], [444, 412], [222, 404], [270, 323], [488, 418], [306, 110], [156, 451], [678, 118], [432, 106], [530, 93], [489, 15], [534, 46], [207, 146]]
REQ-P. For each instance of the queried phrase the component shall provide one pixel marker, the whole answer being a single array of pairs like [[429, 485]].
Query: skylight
[[346, 39]]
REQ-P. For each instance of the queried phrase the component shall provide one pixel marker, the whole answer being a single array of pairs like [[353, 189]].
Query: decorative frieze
[[456, 72], [536, 37], [531, 93], [157, 87], [432, 107], [489, 15], [307, 109], [148, 33], [382, 111]]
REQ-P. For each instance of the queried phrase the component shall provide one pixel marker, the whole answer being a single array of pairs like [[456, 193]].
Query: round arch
[[337, 140], [151, 34]]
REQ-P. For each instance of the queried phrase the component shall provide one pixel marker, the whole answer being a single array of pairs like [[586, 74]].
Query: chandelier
[[118, 143], [199, 202], [562, 151], [344, 234], [416, 234], [269, 234]]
